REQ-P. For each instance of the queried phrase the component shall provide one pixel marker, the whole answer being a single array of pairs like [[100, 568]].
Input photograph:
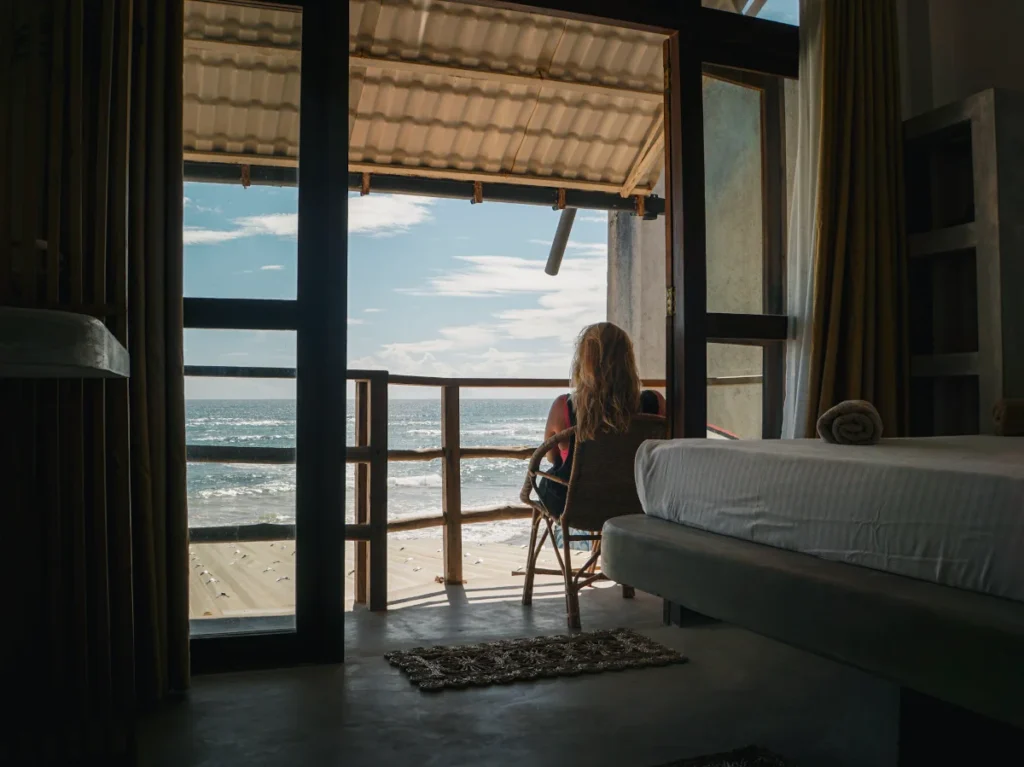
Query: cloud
[[564, 304], [186, 201], [593, 218], [381, 215], [470, 336], [387, 214], [581, 248], [353, 321], [271, 268], [373, 311]]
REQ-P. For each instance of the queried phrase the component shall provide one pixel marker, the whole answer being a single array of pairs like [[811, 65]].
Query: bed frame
[[957, 656]]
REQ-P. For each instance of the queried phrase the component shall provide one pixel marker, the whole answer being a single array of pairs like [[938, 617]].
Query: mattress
[[944, 509]]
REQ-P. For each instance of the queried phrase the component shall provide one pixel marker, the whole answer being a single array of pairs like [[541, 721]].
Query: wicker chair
[[601, 486]]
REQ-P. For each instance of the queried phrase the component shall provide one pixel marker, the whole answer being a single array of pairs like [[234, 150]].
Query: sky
[[436, 287]]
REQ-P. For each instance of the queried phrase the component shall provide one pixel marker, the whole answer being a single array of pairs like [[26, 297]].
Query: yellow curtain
[[92, 482], [859, 346]]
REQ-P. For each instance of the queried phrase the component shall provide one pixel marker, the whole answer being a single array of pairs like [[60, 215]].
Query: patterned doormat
[[523, 660], [751, 756]]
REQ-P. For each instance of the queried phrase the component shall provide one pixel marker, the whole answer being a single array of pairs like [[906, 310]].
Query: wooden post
[[686, 246], [378, 491], [451, 484], [362, 492]]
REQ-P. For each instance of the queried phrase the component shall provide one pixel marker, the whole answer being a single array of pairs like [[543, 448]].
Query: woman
[[605, 396]]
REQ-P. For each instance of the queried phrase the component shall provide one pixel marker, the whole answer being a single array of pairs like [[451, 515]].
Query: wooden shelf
[[945, 365], [46, 343], [948, 240]]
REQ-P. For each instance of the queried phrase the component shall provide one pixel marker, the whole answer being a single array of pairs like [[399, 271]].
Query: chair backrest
[[602, 483]]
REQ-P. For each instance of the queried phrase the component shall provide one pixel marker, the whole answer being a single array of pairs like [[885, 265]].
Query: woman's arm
[[662, 406], [556, 423]]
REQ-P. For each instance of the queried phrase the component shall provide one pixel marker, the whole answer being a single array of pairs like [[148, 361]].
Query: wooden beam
[[519, 453], [525, 179], [652, 150], [378, 492], [476, 516], [451, 484], [420, 454], [419, 171], [241, 158], [686, 246], [362, 494]]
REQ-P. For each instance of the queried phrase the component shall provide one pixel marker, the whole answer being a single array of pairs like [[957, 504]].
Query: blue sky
[[436, 287]]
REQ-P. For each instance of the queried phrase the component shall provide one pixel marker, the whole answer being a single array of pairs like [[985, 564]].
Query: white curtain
[[802, 234]]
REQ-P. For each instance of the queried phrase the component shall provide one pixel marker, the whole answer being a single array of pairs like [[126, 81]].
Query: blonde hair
[[605, 381]]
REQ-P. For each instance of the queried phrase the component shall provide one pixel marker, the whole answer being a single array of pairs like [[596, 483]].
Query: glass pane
[[231, 579], [734, 391], [238, 242], [782, 11], [733, 191], [237, 584]]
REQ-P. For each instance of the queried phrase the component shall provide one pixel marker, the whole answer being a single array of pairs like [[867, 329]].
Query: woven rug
[[523, 660], [751, 756]]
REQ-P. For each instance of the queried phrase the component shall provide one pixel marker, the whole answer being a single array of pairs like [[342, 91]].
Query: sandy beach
[[249, 579]]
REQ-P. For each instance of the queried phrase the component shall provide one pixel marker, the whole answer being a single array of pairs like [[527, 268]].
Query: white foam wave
[[266, 488], [417, 480]]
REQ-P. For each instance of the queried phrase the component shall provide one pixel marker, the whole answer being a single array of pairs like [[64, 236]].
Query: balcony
[[244, 573]]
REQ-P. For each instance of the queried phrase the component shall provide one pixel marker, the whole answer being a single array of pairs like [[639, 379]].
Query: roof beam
[[523, 179], [650, 152], [222, 173], [367, 61], [555, 182]]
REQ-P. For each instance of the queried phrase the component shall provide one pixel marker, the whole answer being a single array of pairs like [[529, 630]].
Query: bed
[[904, 559]]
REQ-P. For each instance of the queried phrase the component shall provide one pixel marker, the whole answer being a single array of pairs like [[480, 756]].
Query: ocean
[[238, 494]]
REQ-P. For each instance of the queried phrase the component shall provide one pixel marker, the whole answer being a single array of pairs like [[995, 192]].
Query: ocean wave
[[425, 432], [417, 480], [210, 421], [228, 439], [236, 491]]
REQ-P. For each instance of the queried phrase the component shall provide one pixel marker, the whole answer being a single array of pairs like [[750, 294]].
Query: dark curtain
[[157, 385], [92, 482], [859, 347]]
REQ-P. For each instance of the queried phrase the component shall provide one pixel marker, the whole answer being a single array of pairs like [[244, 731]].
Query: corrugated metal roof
[[436, 88]]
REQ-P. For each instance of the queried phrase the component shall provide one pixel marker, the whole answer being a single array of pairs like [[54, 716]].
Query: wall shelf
[[45, 343], [965, 199]]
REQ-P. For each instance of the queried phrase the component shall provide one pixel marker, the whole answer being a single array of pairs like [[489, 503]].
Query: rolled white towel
[[851, 422]]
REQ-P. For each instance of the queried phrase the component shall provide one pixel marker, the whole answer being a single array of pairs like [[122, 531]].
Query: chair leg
[[572, 596], [531, 560]]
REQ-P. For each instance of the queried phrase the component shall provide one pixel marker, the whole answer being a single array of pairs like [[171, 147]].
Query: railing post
[[362, 493], [378, 502], [451, 484]]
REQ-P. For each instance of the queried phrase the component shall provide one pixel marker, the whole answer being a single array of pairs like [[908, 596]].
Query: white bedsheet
[[944, 509]]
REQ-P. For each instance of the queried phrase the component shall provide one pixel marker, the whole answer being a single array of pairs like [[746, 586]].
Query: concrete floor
[[737, 689]]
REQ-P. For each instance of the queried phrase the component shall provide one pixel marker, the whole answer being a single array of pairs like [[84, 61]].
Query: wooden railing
[[371, 455]]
